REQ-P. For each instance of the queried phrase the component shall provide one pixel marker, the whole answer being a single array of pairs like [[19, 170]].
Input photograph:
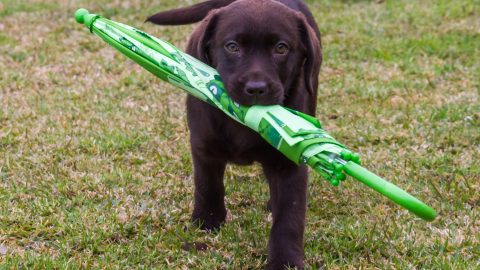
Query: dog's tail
[[187, 15]]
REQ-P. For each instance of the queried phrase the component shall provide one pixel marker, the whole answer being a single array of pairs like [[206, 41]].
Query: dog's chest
[[240, 144], [215, 135]]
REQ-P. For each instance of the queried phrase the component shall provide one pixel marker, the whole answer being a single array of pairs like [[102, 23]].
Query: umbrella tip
[[80, 15]]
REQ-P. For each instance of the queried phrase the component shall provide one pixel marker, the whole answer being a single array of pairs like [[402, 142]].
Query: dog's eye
[[232, 47], [281, 48]]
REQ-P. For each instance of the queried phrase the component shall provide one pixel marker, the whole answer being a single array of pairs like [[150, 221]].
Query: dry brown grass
[[95, 170]]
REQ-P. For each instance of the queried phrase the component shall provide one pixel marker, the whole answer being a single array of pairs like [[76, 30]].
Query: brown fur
[[254, 75]]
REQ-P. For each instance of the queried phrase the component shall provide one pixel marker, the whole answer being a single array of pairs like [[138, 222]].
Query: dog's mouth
[[251, 101], [272, 96]]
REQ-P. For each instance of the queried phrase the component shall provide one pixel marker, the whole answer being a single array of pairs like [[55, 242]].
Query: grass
[[95, 171]]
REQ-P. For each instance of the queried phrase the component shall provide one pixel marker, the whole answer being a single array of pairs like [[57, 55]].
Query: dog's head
[[262, 50]]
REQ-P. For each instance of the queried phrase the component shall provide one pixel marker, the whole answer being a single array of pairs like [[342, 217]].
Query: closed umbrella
[[298, 136]]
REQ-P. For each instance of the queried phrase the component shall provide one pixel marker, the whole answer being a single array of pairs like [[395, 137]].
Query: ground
[[95, 170]]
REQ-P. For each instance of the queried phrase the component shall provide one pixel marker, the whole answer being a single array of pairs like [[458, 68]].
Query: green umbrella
[[298, 136]]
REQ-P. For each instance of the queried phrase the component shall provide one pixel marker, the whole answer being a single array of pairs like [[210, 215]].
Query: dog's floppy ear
[[200, 40], [313, 55], [187, 15]]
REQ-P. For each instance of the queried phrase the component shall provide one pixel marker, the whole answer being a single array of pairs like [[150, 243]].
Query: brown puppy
[[267, 52]]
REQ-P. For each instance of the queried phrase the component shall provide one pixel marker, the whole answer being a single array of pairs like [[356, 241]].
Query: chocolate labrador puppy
[[267, 52]]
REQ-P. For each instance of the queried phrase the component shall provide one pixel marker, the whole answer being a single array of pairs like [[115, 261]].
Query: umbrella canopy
[[298, 136]]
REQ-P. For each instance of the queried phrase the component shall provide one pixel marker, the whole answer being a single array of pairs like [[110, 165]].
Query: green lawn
[[95, 169]]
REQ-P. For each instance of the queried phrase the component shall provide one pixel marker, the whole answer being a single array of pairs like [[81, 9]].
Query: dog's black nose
[[256, 88]]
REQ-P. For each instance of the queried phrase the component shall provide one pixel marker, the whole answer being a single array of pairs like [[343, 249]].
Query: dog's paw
[[209, 222], [284, 267]]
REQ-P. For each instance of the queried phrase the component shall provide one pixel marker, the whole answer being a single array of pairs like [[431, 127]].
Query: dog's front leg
[[288, 192], [209, 208]]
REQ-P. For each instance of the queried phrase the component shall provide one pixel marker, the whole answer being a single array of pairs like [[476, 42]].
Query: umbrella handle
[[391, 191]]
